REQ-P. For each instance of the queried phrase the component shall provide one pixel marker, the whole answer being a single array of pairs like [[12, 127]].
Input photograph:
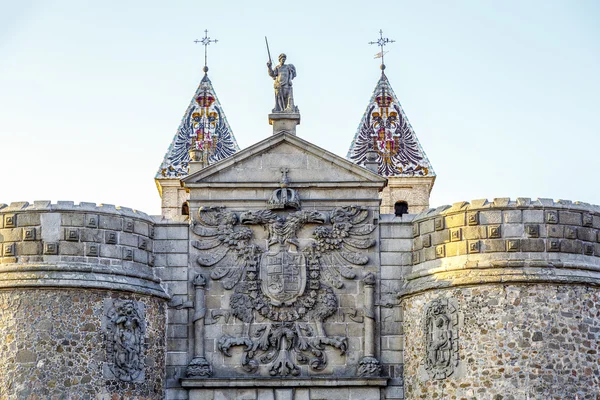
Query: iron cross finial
[[381, 42], [205, 42]]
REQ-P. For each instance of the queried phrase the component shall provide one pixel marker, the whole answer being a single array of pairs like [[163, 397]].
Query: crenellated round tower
[[503, 301], [83, 315]]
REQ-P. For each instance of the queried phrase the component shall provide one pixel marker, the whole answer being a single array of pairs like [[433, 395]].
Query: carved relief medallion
[[288, 284], [441, 338], [125, 331]]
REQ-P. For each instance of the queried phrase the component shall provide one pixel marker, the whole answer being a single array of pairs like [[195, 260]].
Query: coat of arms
[[284, 290]]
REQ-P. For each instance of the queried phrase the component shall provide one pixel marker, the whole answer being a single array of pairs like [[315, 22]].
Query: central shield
[[283, 276]]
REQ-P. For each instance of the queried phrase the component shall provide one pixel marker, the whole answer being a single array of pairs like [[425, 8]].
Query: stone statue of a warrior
[[283, 74]]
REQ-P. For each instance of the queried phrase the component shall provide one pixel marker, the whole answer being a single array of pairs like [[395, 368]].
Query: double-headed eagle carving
[[283, 291]]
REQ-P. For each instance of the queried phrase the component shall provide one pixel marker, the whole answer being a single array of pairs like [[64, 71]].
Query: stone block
[[475, 232], [426, 227], [415, 257], [586, 234], [440, 237], [512, 216], [72, 234], [128, 239], [51, 248], [456, 249], [454, 221], [551, 217], [128, 225], [72, 249], [438, 223], [513, 230], [493, 246], [91, 221], [29, 248], [395, 258], [455, 234], [177, 358], [362, 393], [177, 260], [29, 219], [395, 231], [428, 254], [110, 252], [571, 246], [490, 217], [570, 232], [555, 231], [29, 234], [110, 222], [127, 254], [396, 245], [494, 232], [553, 245], [92, 249], [588, 249], [140, 256], [532, 245], [11, 235], [391, 272], [9, 249], [141, 228], [170, 246], [513, 245], [267, 394], [10, 220], [72, 219], [440, 251], [532, 230], [173, 274], [177, 287], [171, 232], [92, 235], [473, 246], [587, 220], [533, 216], [329, 393], [177, 331], [418, 242], [570, 218], [426, 240]]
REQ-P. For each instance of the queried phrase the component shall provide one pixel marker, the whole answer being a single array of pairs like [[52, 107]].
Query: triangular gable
[[385, 128], [307, 162], [205, 120]]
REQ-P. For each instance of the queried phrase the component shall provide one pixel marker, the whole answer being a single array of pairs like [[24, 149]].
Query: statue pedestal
[[284, 122]]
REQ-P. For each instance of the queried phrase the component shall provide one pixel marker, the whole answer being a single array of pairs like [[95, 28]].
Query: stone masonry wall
[[82, 312], [53, 346], [172, 267], [515, 342], [395, 246], [502, 301]]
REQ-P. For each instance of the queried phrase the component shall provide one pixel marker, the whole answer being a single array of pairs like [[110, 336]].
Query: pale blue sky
[[503, 95]]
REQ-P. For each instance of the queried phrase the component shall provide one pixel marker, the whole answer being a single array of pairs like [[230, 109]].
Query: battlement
[[45, 205], [508, 203], [504, 240]]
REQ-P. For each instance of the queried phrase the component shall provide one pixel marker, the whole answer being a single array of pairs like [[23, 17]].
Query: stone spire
[[203, 138], [386, 143]]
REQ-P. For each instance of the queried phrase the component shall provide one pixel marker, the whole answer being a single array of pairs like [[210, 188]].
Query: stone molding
[[287, 383]]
